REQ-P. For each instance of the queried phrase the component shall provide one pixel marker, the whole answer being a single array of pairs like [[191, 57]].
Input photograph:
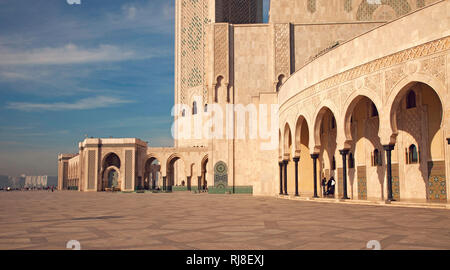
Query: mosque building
[[354, 90]]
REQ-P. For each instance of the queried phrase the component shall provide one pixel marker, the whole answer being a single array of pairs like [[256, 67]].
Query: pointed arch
[[287, 141], [396, 94], [300, 127], [280, 80], [111, 159], [349, 108], [326, 106]]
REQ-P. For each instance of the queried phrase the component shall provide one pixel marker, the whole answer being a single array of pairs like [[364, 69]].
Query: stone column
[[199, 183], [344, 153], [285, 163], [296, 160], [315, 157], [281, 177], [170, 184], [164, 182], [189, 178], [388, 148]]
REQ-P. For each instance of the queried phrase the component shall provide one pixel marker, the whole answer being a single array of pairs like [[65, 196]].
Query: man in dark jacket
[[331, 185]]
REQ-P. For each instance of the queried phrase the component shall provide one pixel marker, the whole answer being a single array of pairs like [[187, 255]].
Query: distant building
[[24, 181], [4, 181], [16, 181], [36, 181]]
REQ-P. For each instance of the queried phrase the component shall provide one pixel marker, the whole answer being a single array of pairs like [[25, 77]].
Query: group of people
[[47, 188], [329, 186]]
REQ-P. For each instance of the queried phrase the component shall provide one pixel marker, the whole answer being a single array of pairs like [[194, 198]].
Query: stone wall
[[318, 11]]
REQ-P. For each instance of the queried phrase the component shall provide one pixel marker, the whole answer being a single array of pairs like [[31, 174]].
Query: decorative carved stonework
[[348, 5], [392, 77], [409, 121], [311, 5], [422, 50], [374, 83], [396, 181], [282, 50], [333, 95], [362, 183], [435, 66], [411, 68], [420, 3], [315, 100], [221, 51], [194, 17], [359, 84], [367, 9], [346, 91], [91, 169]]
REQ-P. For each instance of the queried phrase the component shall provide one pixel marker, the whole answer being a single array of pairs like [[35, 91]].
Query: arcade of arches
[[411, 166], [129, 165]]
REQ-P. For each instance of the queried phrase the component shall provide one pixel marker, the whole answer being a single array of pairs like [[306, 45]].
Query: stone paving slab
[[181, 220], [403, 203]]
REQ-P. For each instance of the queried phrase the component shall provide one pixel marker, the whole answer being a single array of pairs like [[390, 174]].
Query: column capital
[[344, 151], [296, 159], [389, 147], [285, 162], [314, 156]]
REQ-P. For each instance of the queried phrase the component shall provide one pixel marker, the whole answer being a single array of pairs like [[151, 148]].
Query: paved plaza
[[46, 220]]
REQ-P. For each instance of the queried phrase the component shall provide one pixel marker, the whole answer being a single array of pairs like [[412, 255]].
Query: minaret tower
[[193, 19]]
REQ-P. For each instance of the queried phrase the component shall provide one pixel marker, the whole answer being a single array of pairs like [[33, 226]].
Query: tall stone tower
[[193, 17]]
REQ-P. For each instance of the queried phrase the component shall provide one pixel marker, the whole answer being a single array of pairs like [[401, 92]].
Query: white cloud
[[58, 80], [149, 17], [13, 76], [82, 104], [72, 2], [130, 11], [69, 54]]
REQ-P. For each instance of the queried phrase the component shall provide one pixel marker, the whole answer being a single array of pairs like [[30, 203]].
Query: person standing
[[324, 183], [332, 184]]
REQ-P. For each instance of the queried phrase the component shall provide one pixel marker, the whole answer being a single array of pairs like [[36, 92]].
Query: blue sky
[[102, 68]]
